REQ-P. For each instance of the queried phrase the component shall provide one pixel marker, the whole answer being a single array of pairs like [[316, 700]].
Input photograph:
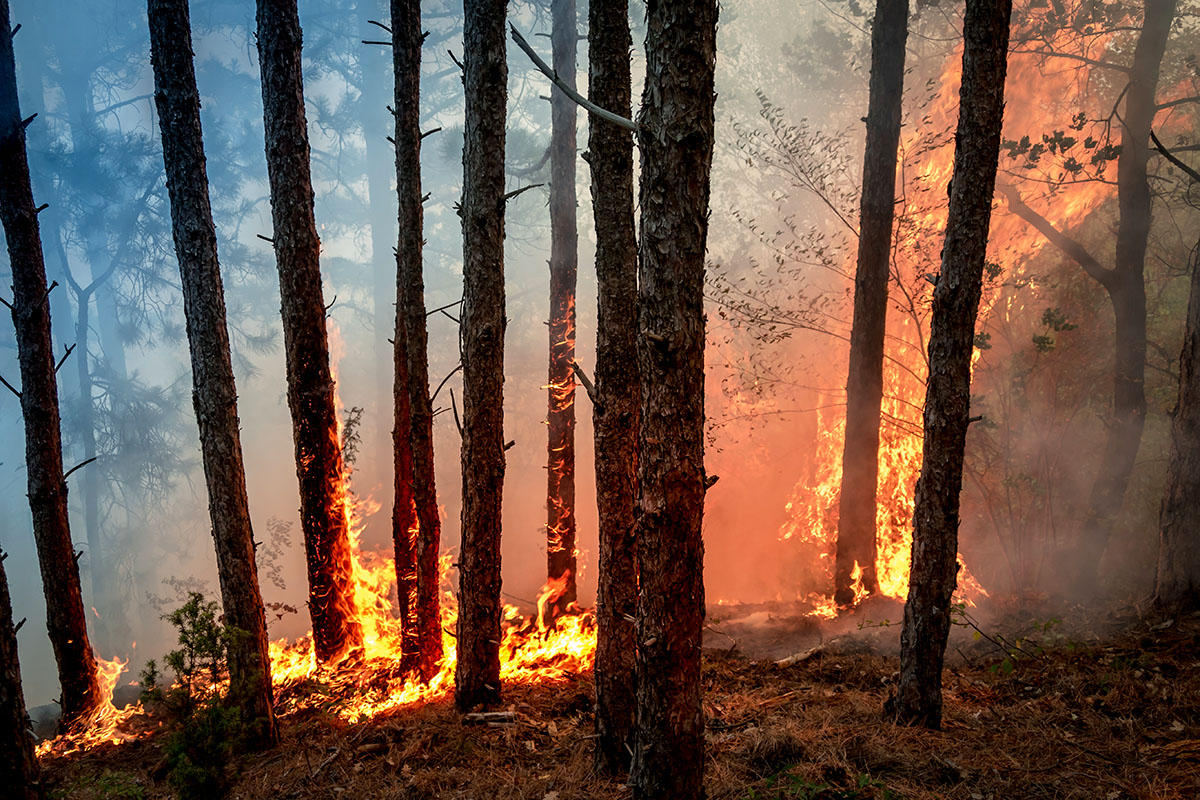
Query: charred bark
[[19, 771], [676, 141], [864, 385], [1126, 286], [410, 318], [1177, 587], [485, 77], [214, 390], [951, 342], [65, 617], [615, 405], [319, 464], [564, 265]]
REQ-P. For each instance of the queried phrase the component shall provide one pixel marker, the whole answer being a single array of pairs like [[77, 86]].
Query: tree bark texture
[[615, 404], [485, 77], [214, 390], [864, 385], [65, 617], [319, 464], [951, 341], [1177, 587], [410, 319], [19, 772], [676, 141], [1126, 286], [564, 264]]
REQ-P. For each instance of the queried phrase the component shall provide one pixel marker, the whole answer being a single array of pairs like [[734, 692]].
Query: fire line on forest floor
[[1109, 710]]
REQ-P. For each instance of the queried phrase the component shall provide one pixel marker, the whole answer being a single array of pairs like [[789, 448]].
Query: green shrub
[[200, 751]]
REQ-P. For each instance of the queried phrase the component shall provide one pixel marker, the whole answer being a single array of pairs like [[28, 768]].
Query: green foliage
[[207, 734]]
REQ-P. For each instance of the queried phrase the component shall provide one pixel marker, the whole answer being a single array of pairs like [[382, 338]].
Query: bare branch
[[579, 99], [1072, 248], [1179, 102], [443, 308], [454, 408], [10, 387], [588, 386], [80, 465], [431, 132], [522, 190], [1167, 154], [69, 349], [379, 24], [433, 396]]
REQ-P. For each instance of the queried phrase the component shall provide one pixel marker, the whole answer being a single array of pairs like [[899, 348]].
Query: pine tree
[[485, 77], [615, 393], [410, 327], [564, 264], [676, 142], [864, 385], [951, 342], [30, 308], [214, 389], [319, 464]]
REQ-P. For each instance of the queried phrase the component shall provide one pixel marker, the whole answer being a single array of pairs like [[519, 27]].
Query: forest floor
[[1070, 705]]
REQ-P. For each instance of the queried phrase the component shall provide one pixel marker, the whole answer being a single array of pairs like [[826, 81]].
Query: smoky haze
[[792, 89]]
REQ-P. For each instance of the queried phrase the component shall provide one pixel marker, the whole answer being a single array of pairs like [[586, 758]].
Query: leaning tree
[[927, 612]]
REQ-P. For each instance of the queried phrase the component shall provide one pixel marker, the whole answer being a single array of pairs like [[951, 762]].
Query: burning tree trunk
[[864, 386], [676, 138], [310, 384], [951, 341], [564, 263], [485, 77], [215, 393], [39, 405], [18, 766], [1126, 287], [410, 328], [615, 400]]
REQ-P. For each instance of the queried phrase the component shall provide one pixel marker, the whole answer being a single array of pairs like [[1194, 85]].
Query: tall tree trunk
[[864, 385], [19, 772], [1177, 587], [564, 264], [676, 139], [319, 464], [405, 526], [485, 77], [951, 341], [214, 391], [615, 404], [39, 405], [410, 319], [1126, 286], [376, 123]]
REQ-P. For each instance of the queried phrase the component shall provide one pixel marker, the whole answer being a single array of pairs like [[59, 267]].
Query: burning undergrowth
[[1103, 707]]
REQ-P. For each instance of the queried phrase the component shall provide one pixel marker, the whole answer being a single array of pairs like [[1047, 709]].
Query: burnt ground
[[1096, 706]]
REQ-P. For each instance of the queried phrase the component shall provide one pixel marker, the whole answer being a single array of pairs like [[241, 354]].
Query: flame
[[106, 724], [1039, 98]]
